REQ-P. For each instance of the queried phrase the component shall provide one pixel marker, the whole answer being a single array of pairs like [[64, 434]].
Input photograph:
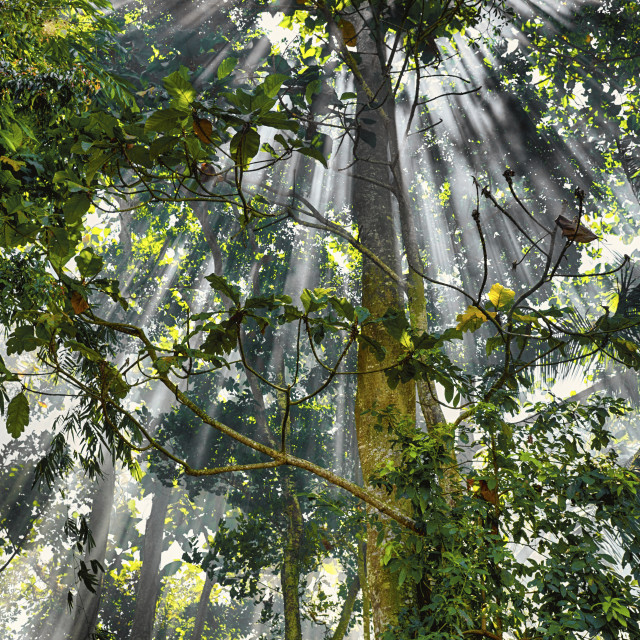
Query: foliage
[[186, 330]]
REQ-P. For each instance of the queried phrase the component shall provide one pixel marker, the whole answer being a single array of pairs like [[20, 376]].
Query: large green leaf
[[165, 120], [244, 146], [226, 67], [17, 415], [89, 264], [181, 90], [77, 205], [272, 84], [220, 284]]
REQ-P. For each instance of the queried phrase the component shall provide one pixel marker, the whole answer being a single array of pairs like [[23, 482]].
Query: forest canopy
[[319, 319]]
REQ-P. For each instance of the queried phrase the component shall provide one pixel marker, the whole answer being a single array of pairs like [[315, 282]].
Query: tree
[[432, 523]]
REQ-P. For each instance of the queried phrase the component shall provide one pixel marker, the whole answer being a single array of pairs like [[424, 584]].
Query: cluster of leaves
[[202, 144], [549, 483]]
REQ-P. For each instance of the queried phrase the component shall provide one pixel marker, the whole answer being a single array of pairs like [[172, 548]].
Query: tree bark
[[201, 614], [149, 583], [364, 583], [347, 610], [87, 604], [374, 214], [294, 528], [290, 575]]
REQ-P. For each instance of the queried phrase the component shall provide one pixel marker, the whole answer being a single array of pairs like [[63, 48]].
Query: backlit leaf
[[180, 89], [226, 67], [473, 318], [501, 296], [203, 129], [348, 33], [272, 84]]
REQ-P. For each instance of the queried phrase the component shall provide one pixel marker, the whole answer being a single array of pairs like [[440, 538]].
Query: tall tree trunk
[[201, 614], [149, 582], [294, 527], [374, 214], [290, 574], [87, 603]]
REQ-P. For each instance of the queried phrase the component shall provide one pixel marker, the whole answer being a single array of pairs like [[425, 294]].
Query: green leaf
[[165, 120], [96, 161], [343, 307], [21, 340], [220, 284], [314, 153], [395, 322], [244, 146], [272, 84], [12, 139], [161, 145], [17, 415], [181, 90], [314, 300], [312, 88], [277, 120], [77, 205], [226, 67], [59, 244], [88, 263]]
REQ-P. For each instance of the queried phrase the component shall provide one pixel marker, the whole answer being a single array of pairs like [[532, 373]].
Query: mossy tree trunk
[[373, 210]]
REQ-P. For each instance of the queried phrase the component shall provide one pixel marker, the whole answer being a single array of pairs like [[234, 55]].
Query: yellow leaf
[[330, 568], [348, 33], [501, 296], [15, 164], [78, 303], [473, 318], [42, 404], [629, 345], [203, 129], [522, 317]]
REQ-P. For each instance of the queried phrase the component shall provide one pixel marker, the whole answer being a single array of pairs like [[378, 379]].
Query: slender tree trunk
[[347, 610], [294, 527], [201, 614], [87, 604], [149, 582], [364, 583], [290, 575]]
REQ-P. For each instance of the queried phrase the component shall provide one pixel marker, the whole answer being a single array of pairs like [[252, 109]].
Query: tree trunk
[[294, 527], [373, 211], [149, 583], [290, 575], [364, 583], [347, 610], [201, 614], [87, 604]]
